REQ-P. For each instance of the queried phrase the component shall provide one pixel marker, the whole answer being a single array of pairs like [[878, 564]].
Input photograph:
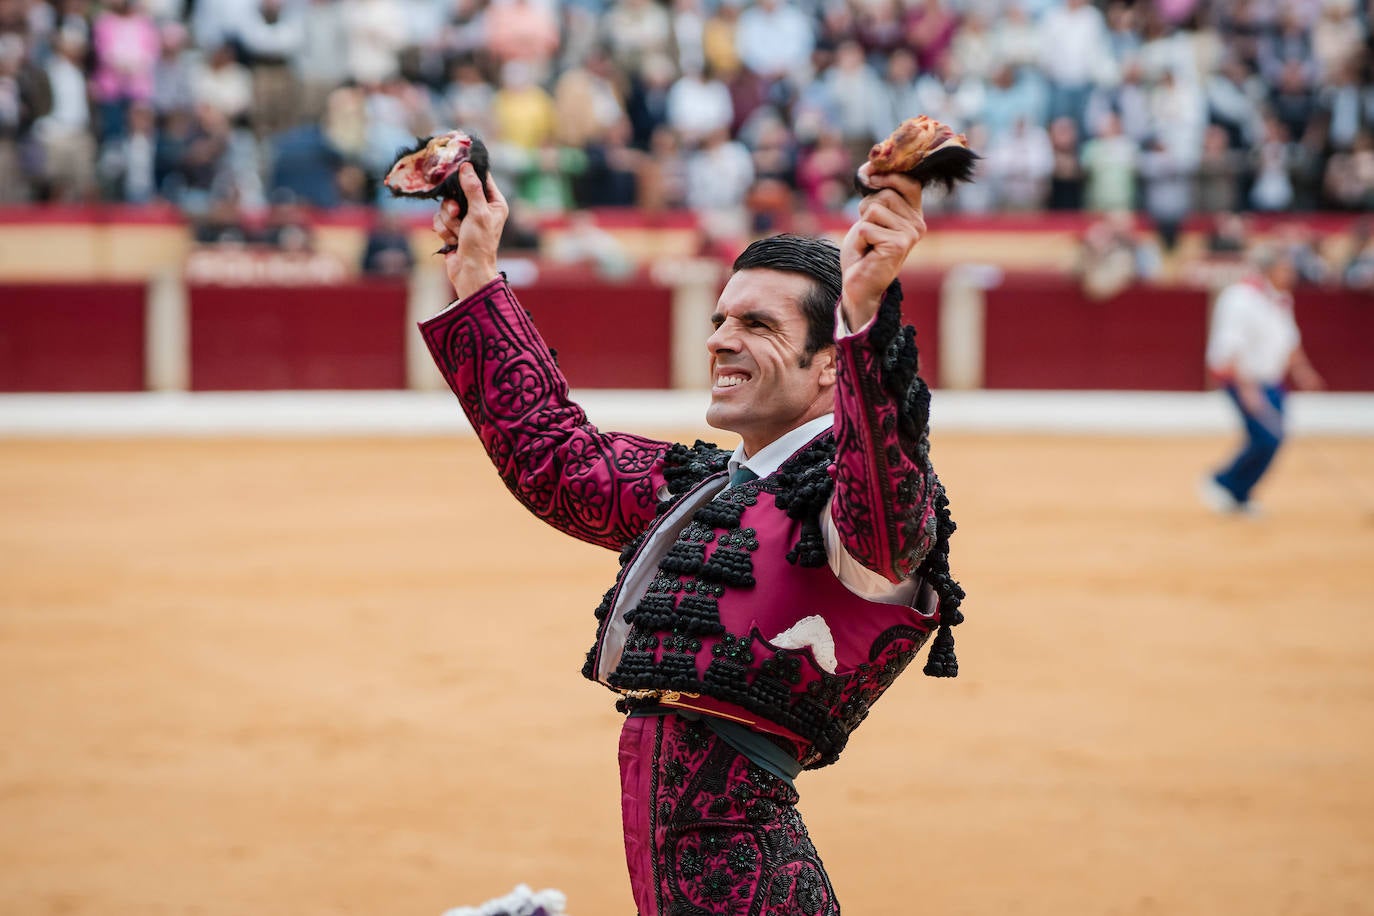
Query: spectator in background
[[270, 38], [587, 102], [718, 40], [127, 167], [1130, 99], [698, 106], [174, 70], [1235, 95], [689, 34], [307, 164], [1018, 163], [217, 22], [222, 83], [584, 242], [1358, 270], [1292, 100], [374, 34], [647, 104], [1307, 162], [1073, 42], [1338, 37], [895, 99], [1067, 176], [973, 48], [943, 95], [190, 153], [1109, 168], [1349, 179], [1298, 243], [387, 252], [322, 61], [397, 112], [127, 47], [1220, 172], [422, 58], [1166, 50], [1108, 258], [719, 174], [775, 41], [1015, 40], [663, 175], [287, 228], [1343, 102], [849, 89], [930, 27], [1178, 113], [524, 31], [612, 174], [1123, 30], [522, 111], [1229, 237], [1010, 98], [1167, 174], [877, 25], [1272, 189], [544, 177], [1285, 47], [465, 29], [636, 30], [25, 96], [825, 174], [64, 133], [469, 98]]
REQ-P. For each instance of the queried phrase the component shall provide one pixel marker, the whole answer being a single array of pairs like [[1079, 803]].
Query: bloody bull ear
[[924, 150], [430, 168]]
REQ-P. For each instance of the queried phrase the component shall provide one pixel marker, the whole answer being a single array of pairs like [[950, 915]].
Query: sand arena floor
[[341, 677]]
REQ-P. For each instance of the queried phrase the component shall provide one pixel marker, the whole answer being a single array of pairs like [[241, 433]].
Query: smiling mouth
[[730, 381]]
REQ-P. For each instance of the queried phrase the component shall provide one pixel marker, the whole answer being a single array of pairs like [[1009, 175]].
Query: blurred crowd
[[744, 111]]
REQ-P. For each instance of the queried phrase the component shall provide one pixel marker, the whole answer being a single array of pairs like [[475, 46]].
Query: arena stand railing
[[118, 299]]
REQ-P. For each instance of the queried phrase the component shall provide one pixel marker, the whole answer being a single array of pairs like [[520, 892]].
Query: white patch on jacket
[[810, 632]]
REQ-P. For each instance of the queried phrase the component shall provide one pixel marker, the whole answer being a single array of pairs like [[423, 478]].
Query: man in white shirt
[[1253, 347]]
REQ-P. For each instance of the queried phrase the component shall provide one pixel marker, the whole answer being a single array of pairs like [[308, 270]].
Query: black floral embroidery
[[729, 838]]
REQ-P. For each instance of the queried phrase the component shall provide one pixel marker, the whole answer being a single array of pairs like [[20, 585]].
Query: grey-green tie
[[741, 475]]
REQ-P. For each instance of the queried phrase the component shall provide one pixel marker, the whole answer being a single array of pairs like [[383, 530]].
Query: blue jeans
[[1261, 444]]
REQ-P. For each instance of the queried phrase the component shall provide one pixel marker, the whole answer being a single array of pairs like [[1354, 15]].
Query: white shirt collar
[[772, 455]]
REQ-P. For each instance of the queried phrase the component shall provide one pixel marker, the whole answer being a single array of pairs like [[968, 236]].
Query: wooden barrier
[[1042, 332], [1338, 334], [72, 336], [1036, 331], [345, 336], [606, 334]]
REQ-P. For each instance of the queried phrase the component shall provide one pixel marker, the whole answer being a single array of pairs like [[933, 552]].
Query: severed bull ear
[[430, 168], [926, 151]]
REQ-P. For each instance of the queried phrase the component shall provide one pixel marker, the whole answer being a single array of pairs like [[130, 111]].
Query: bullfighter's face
[[764, 384]]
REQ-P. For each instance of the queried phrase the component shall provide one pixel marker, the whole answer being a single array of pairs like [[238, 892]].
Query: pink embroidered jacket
[[744, 567]]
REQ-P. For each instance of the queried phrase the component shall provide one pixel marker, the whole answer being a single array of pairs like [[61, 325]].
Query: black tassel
[[942, 662], [809, 551]]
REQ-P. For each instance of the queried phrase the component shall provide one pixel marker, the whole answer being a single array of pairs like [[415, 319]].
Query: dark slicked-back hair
[[814, 258]]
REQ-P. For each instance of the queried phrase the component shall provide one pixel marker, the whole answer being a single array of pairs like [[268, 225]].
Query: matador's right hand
[[476, 237]]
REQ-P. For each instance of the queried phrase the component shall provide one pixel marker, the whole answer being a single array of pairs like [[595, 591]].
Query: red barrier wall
[[72, 337], [349, 336], [616, 335], [1338, 334], [1044, 333], [921, 309]]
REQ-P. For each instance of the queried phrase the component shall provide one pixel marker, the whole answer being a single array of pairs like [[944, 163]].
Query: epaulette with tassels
[[901, 381]]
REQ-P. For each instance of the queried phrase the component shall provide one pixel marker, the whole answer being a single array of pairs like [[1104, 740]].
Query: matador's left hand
[[877, 246]]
